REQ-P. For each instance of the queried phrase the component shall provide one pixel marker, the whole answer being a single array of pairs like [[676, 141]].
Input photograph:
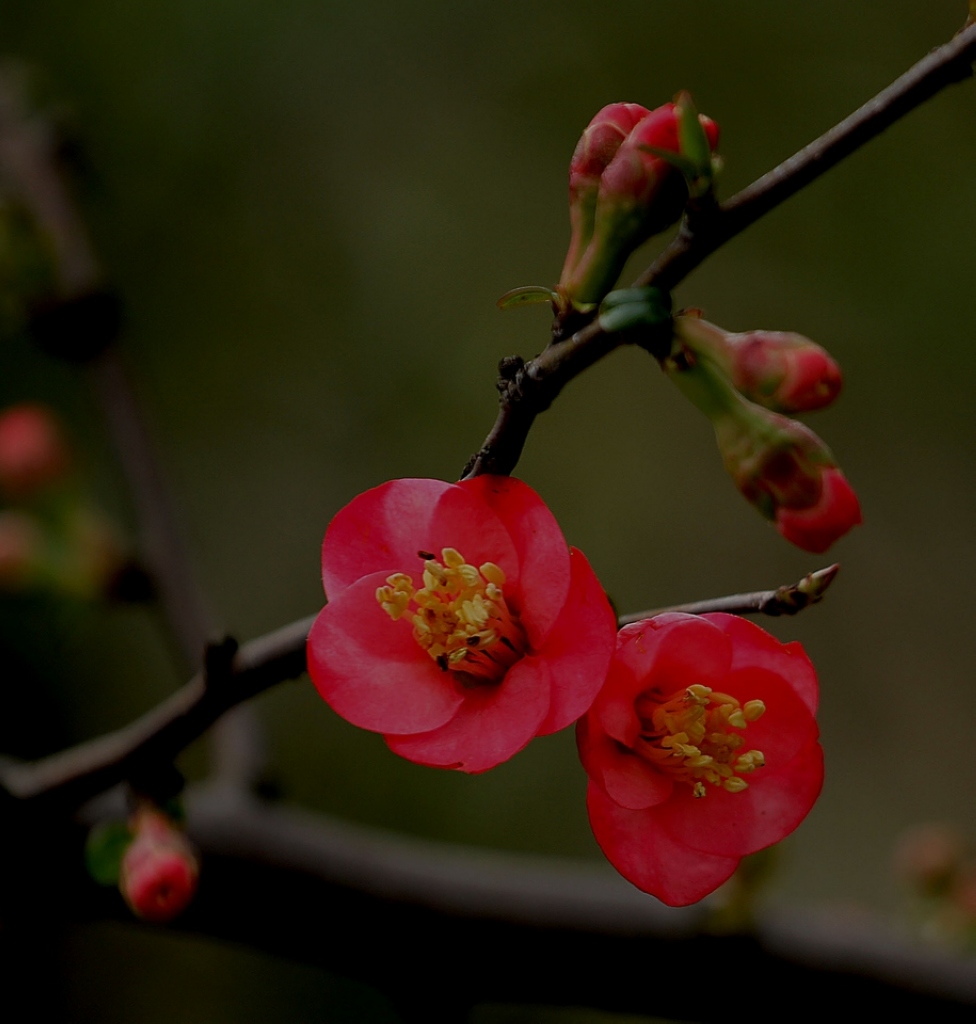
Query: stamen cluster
[[459, 617], [691, 736]]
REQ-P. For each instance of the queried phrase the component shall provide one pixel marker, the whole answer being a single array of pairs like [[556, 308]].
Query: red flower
[[459, 624], [701, 748]]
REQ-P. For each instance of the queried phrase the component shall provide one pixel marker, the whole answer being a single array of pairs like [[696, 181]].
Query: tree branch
[[404, 915], [66, 780], [531, 387], [786, 600]]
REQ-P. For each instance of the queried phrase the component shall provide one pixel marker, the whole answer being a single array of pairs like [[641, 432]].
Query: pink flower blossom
[[701, 747], [459, 624]]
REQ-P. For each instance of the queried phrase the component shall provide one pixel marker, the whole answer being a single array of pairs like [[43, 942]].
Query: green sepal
[[692, 139], [527, 295], [104, 850], [627, 308], [658, 298]]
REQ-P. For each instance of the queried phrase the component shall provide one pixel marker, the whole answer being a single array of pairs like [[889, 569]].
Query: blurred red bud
[[33, 453], [21, 542], [159, 869]]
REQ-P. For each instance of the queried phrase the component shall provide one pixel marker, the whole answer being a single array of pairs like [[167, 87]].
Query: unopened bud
[[597, 146], [640, 193], [33, 453], [159, 869], [778, 464], [780, 370]]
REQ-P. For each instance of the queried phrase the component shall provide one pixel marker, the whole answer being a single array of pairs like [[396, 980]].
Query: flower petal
[[787, 725], [579, 648], [542, 551], [649, 857], [664, 655], [383, 529], [370, 669], [626, 778], [673, 651], [494, 723], [753, 646], [734, 824]]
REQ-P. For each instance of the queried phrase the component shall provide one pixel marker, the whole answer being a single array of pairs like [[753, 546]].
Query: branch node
[[218, 663], [795, 597]]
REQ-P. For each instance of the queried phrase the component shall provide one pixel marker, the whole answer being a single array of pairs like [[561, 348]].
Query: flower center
[[459, 617], [692, 736]]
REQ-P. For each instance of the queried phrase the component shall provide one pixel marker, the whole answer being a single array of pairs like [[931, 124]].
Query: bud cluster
[[629, 179], [778, 464]]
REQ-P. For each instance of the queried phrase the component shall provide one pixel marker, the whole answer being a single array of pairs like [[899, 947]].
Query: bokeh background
[[310, 208]]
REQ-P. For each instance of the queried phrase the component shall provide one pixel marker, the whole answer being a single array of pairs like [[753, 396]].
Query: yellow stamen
[[460, 617], [691, 737]]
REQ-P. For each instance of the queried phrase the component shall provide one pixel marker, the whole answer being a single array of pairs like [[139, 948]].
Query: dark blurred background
[[310, 209]]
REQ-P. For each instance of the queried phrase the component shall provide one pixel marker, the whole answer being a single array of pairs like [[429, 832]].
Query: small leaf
[[526, 295], [104, 849]]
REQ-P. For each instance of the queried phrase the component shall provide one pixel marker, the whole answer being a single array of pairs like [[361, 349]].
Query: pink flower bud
[[778, 464], [780, 370], [789, 474], [596, 148], [639, 195], [159, 869], [783, 371], [33, 453], [816, 527]]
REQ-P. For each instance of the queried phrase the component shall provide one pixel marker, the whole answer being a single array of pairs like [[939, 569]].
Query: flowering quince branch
[[459, 623], [528, 388], [65, 780]]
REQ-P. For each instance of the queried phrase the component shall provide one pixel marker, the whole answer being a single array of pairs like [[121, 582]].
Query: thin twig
[[66, 780], [535, 384], [786, 600]]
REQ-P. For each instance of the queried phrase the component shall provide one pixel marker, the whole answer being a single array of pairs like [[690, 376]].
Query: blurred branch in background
[[81, 323]]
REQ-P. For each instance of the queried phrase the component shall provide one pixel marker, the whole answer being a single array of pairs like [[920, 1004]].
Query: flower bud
[[778, 464], [33, 453], [639, 194], [780, 370], [596, 148], [159, 869]]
